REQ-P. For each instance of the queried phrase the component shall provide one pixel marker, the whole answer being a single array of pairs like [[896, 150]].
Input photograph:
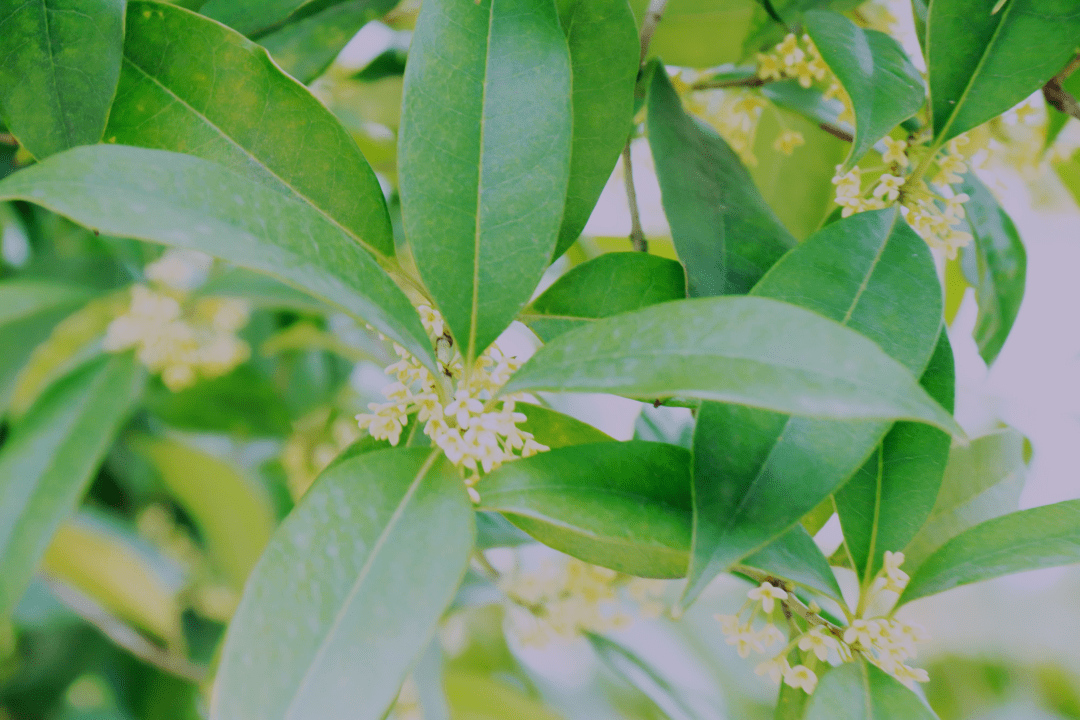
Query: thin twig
[[751, 82], [648, 25], [122, 634], [637, 235], [1057, 96], [837, 132]]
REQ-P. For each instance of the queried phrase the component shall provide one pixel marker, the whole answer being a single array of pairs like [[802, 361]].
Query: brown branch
[[837, 132], [1057, 96], [637, 235], [648, 26], [749, 82], [124, 635], [8, 139]]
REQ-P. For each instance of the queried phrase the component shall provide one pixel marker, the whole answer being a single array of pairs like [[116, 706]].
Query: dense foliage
[[297, 462]]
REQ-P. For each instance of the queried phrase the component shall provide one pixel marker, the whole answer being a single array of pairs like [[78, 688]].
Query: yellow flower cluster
[[179, 337], [884, 641], [567, 597], [457, 407], [937, 214], [317, 439], [735, 115], [790, 60]]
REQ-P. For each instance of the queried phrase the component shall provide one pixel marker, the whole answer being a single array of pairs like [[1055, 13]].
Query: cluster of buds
[[175, 335], [565, 597], [792, 59], [457, 407], [935, 211], [317, 439], [883, 641]]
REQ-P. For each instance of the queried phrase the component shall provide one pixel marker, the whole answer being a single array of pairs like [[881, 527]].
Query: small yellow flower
[[745, 641], [788, 140], [801, 677], [895, 151], [775, 668], [769, 635], [767, 593], [817, 641], [888, 187], [729, 624], [862, 631], [949, 168], [769, 67]]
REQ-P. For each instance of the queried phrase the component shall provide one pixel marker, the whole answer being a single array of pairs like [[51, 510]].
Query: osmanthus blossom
[[883, 641]]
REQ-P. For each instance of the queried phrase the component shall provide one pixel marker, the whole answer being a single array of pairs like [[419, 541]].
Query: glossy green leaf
[[604, 53], [305, 48], [665, 424], [243, 403], [1000, 267], [981, 64], [757, 473], [252, 17], [261, 291], [640, 674], [190, 203], [555, 429], [190, 85], [484, 157], [24, 298], [344, 600], [884, 87], [883, 506], [59, 61], [620, 505], [607, 285], [861, 691], [50, 457], [713, 349], [791, 703], [233, 514], [1041, 537], [982, 480], [627, 506], [724, 232]]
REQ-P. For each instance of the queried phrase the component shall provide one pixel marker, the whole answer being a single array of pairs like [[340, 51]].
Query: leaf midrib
[[474, 310]]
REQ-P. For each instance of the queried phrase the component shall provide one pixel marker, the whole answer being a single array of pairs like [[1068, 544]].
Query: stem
[[1057, 96], [837, 132], [792, 604], [637, 235], [124, 635], [648, 25], [750, 82]]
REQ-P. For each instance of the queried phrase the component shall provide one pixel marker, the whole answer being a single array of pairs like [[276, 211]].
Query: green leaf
[[796, 557], [190, 203], [1069, 172], [887, 501], [20, 339], [59, 62], [665, 424], [607, 285], [261, 291], [791, 703], [724, 232], [190, 85], [243, 403], [484, 152], [861, 691], [713, 348], [233, 515], [1001, 267], [884, 87], [23, 298], [604, 53], [700, 33], [624, 506], [870, 272], [50, 457], [643, 676], [555, 430], [981, 64], [1041, 537], [252, 17], [477, 697], [349, 592], [305, 48], [982, 480]]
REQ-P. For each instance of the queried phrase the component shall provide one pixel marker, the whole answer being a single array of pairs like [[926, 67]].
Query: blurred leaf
[[711, 348], [814, 520], [478, 697], [699, 33], [50, 458], [305, 48], [21, 299], [57, 81], [982, 480], [866, 272], [620, 505], [791, 704], [1001, 267], [861, 691], [556, 430], [607, 285], [884, 87], [664, 424], [73, 341], [252, 17], [194, 204], [493, 530], [887, 501], [725, 233], [117, 572], [796, 557], [1069, 172], [250, 117], [484, 157], [1041, 537], [604, 55], [306, 336], [369, 558], [640, 674], [968, 88], [809, 102], [242, 403], [233, 515], [389, 63], [261, 291]]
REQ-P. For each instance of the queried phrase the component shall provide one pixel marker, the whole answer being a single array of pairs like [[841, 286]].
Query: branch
[[124, 635], [8, 139], [648, 25], [637, 235], [837, 132], [1057, 96], [751, 82]]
